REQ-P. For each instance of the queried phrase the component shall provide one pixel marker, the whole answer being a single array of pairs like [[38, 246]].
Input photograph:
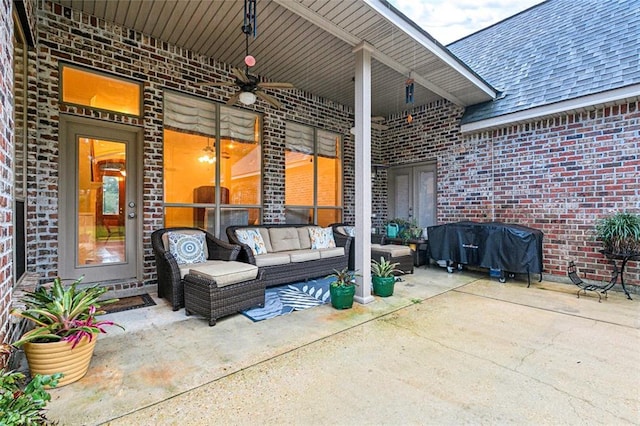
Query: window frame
[[62, 65], [217, 205], [315, 207]]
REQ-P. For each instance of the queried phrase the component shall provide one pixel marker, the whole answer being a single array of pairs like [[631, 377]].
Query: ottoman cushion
[[225, 273], [394, 250]]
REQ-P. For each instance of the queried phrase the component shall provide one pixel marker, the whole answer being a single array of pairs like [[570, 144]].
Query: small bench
[[222, 288]]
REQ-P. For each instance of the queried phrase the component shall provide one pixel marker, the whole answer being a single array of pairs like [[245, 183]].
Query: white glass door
[[412, 194], [99, 205]]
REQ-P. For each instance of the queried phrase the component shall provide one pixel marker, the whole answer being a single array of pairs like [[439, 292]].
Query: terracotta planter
[[58, 357], [383, 286], [342, 296]]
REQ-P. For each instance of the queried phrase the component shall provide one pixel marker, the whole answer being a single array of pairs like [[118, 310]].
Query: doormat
[[287, 298], [128, 303]]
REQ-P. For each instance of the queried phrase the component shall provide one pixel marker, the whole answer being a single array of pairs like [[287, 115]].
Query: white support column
[[363, 172]]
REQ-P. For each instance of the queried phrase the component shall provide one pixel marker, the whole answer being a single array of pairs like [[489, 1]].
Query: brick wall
[[558, 175], [6, 168], [72, 37], [528, 174]]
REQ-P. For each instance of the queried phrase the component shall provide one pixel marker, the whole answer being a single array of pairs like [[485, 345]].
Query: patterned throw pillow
[[187, 248], [350, 231], [321, 237], [253, 239]]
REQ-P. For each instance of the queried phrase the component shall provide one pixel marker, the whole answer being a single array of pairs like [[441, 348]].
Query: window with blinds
[[313, 175], [212, 164]]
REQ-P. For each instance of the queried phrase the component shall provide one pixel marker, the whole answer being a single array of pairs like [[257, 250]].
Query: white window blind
[[327, 144], [299, 138], [237, 124], [190, 114]]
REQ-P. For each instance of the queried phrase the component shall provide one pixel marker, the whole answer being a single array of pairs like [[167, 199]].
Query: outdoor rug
[[127, 303], [284, 299]]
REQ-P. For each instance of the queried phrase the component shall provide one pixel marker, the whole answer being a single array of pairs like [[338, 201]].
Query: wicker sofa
[[287, 255]]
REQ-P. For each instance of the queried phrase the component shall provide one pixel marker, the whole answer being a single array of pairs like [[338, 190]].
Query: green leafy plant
[[383, 268], [619, 233], [343, 278], [22, 404], [63, 313], [408, 228]]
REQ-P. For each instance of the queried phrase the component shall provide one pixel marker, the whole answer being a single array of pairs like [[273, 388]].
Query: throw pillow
[[350, 231], [253, 239], [321, 237], [187, 248]]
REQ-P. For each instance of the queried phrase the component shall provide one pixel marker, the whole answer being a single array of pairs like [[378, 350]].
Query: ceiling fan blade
[[268, 99], [232, 100], [377, 118], [240, 75], [379, 126], [276, 85]]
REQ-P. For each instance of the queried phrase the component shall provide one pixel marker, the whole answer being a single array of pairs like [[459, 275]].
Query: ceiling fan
[[250, 87]]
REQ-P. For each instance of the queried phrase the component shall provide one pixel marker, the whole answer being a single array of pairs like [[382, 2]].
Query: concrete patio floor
[[445, 349]]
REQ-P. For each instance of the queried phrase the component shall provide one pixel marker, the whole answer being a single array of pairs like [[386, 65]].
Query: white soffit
[[307, 43]]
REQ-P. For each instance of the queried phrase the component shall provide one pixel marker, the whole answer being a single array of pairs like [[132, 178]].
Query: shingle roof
[[555, 51]]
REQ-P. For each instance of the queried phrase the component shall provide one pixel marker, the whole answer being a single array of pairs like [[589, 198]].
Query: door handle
[[131, 215]]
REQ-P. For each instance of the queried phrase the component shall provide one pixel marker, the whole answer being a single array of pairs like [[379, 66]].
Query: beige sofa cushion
[[303, 255], [284, 239], [331, 252], [272, 259], [225, 272], [303, 235], [265, 237], [395, 250]]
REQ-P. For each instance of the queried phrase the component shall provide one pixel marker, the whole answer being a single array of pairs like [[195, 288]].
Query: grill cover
[[493, 245]]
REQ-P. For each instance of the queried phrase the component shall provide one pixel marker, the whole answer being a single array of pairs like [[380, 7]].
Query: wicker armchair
[[170, 281]]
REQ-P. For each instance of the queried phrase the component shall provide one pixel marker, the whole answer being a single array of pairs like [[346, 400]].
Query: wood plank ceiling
[[308, 43]]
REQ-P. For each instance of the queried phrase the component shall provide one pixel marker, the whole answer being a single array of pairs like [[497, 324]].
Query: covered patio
[[445, 349], [346, 62]]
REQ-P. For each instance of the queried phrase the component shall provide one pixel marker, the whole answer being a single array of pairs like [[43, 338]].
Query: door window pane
[[101, 202]]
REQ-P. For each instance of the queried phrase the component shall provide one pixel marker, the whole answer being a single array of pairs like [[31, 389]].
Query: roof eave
[[583, 103], [389, 12]]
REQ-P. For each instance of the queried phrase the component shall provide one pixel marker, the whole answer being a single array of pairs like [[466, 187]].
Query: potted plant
[[65, 328], [24, 404], [383, 277], [620, 234], [342, 288]]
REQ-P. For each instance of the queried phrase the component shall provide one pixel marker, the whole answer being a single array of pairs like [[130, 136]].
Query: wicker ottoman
[[394, 253], [204, 296]]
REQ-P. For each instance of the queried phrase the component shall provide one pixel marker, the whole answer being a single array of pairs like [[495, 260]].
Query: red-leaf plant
[[62, 313]]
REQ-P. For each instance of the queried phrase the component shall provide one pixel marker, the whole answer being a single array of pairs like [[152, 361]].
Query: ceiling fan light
[[247, 98]]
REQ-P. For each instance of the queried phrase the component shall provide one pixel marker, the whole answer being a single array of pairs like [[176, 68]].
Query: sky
[[451, 20]]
